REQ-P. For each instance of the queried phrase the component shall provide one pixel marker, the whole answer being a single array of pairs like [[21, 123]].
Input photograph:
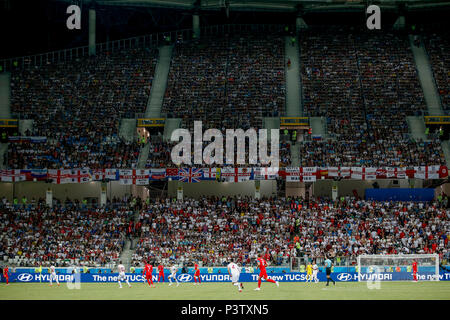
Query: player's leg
[[259, 283], [240, 283], [170, 279], [56, 279], [7, 279], [195, 280], [270, 280], [235, 281], [128, 283], [51, 279]]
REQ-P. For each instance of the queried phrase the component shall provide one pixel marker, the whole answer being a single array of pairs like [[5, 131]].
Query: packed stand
[[78, 106], [353, 77], [372, 152], [330, 80], [214, 231], [228, 83], [159, 155], [390, 83], [437, 44], [67, 234]]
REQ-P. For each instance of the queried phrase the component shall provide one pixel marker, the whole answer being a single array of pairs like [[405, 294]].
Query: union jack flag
[[190, 175]]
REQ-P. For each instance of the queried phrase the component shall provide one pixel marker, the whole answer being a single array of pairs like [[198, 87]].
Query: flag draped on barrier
[[135, 176], [210, 173], [265, 173], [227, 174], [190, 175], [12, 176], [307, 174], [236, 174]]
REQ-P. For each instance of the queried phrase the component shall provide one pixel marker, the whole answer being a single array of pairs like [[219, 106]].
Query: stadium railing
[[146, 41]]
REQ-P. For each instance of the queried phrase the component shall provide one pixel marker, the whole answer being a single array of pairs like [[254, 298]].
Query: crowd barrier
[[226, 174]]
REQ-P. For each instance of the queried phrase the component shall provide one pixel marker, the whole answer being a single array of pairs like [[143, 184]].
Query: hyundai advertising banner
[[218, 277]]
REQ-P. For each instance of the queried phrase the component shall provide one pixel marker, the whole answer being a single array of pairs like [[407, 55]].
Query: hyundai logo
[[25, 277], [344, 277], [185, 277]]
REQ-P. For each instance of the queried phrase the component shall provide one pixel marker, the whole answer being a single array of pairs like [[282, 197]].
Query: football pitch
[[226, 291]]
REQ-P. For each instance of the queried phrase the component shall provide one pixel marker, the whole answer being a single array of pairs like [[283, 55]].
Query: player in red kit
[[161, 273], [197, 274], [6, 275], [262, 264], [148, 270], [414, 267]]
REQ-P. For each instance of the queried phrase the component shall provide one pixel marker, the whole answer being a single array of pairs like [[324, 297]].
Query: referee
[[328, 265]]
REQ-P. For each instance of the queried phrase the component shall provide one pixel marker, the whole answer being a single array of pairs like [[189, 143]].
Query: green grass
[[226, 291]]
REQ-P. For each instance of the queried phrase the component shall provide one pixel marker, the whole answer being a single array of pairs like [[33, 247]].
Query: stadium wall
[[211, 188], [62, 191], [346, 187]]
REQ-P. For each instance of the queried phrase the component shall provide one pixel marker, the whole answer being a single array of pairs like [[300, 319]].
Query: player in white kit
[[173, 275], [314, 273], [122, 275], [235, 271], [53, 276]]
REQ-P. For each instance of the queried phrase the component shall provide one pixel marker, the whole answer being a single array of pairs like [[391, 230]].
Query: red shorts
[[148, 276], [197, 273]]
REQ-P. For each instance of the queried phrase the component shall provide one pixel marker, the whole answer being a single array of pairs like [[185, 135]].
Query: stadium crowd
[[78, 106], [371, 151], [349, 76], [363, 76], [229, 82], [213, 230], [68, 234], [159, 155], [437, 44]]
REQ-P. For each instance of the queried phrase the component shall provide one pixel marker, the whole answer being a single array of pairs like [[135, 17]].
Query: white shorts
[[122, 276], [53, 276], [314, 274], [235, 276], [173, 275]]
